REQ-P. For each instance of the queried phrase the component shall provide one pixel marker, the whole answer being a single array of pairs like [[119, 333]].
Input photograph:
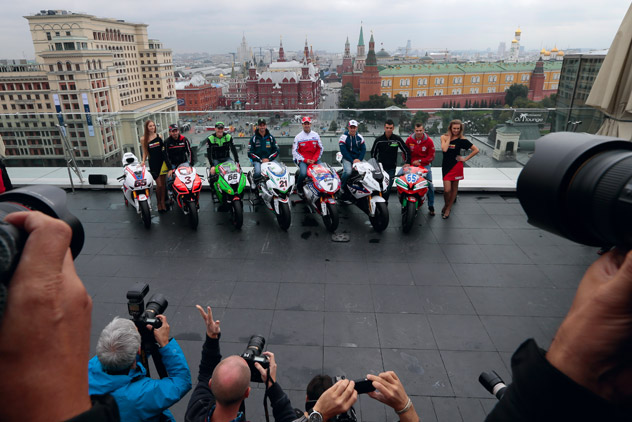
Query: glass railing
[[505, 136]]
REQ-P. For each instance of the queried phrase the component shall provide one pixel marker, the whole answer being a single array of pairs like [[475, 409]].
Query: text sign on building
[[86, 108], [529, 117], [181, 101]]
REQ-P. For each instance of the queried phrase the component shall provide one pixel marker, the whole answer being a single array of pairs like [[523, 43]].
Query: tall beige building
[[100, 78]]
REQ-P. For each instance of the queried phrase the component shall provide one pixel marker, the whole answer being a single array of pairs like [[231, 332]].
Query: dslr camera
[[252, 355], [142, 314]]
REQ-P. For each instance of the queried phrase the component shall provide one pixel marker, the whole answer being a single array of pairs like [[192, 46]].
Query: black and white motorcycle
[[136, 187], [274, 189], [365, 188]]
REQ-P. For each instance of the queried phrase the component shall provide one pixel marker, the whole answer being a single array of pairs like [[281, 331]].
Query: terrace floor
[[438, 306]]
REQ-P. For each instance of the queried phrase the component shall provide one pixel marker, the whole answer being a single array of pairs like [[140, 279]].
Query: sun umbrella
[[611, 92]]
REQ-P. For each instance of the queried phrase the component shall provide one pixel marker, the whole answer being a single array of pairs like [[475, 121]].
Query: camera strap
[[265, 395]]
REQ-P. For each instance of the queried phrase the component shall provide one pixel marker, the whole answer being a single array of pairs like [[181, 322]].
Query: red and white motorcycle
[[319, 190], [185, 191], [412, 187], [136, 187]]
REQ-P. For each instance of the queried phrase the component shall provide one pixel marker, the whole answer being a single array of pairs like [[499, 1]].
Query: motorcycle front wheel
[[193, 214], [284, 217], [145, 214], [408, 216], [237, 214], [331, 220], [380, 220]]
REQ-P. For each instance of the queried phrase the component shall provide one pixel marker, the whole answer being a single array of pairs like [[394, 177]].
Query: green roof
[[361, 40], [456, 68]]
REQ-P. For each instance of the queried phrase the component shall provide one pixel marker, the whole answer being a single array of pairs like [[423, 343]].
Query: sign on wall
[[529, 117]]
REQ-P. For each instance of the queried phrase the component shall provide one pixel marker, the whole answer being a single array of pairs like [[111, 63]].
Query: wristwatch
[[315, 416]]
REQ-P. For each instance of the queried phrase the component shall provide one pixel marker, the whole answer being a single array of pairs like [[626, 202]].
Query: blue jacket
[[261, 147], [140, 398], [352, 147]]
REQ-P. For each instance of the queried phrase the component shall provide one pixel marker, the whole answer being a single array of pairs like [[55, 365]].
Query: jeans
[[257, 169], [347, 169], [302, 174]]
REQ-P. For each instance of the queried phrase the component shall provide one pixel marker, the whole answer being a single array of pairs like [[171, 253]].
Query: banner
[[86, 108], [60, 118], [529, 117]]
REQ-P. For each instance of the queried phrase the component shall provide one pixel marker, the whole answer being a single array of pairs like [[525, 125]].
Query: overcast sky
[[217, 26]]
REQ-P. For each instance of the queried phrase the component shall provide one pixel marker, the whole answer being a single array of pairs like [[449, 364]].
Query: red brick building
[[370, 79], [197, 94]]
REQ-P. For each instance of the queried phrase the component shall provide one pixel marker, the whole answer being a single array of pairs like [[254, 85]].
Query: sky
[[188, 26]]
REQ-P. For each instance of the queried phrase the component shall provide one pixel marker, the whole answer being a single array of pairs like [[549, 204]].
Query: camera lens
[[156, 305], [579, 186], [255, 345]]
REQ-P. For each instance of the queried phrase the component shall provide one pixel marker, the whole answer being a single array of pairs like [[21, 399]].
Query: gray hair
[[118, 345]]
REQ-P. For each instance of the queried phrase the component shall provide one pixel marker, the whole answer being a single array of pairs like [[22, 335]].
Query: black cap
[[173, 126], [261, 122]]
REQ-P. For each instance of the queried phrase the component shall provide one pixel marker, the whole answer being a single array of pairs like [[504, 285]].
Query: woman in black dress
[[153, 148], [452, 142]]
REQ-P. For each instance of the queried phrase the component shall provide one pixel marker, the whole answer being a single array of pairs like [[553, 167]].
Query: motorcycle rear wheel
[[145, 213], [237, 214], [408, 216], [193, 214], [331, 220], [284, 217], [380, 220]]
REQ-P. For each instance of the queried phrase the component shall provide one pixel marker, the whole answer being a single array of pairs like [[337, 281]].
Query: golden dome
[[518, 31], [554, 50], [560, 53], [543, 50], [514, 41], [547, 53]]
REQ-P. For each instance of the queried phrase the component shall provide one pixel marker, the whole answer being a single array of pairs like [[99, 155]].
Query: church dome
[[547, 53], [514, 41], [543, 51], [560, 53], [554, 50], [382, 54], [518, 31]]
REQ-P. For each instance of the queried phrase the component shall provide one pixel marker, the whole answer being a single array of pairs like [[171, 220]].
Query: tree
[[420, 117], [347, 97], [516, 91], [333, 126], [362, 127], [399, 100]]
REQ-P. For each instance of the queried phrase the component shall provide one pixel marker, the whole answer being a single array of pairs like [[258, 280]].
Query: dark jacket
[[202, 399], [104, 409], [540, 392], [261, 147], [220, 148], [178, 151], [352, 147], [385, 151]]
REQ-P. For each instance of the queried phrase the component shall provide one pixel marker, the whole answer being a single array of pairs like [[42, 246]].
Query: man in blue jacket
[[353, 148], [116, 370], [261, 149]]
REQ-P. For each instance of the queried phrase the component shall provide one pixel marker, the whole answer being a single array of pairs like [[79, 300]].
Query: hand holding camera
[[390, 391], [337, 399], [161, 334], [272, 366]]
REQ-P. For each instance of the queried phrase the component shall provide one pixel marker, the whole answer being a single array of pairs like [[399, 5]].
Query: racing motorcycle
[[412, 187], [228, 188], [365, 188], [136, 187], [185, 191], [274, 189], [319, 190]]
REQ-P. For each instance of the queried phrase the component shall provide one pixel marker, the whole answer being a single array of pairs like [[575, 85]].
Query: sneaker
[[431, 211]]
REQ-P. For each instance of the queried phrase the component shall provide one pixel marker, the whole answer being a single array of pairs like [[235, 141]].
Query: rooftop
[[455, 68], [438, 306]]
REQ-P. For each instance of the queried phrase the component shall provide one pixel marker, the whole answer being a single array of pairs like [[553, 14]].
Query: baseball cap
[[306, 119], [261, 122], [353, 123], [219, 125], [173, 126]]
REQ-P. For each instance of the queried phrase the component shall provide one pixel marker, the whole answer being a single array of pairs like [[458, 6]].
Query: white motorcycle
[[365, 188], [274, 189], [137, 184]]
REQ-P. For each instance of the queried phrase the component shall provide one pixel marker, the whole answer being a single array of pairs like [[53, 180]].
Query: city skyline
[[188, 28]]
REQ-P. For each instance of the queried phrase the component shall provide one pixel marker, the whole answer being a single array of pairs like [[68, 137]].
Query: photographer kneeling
[[116, 370]]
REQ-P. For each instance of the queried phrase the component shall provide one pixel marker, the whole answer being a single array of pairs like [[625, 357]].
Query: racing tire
[[237, 214], [145, 213], [284, 217], [408, 216], [193, 214], [380, 220], [331, 220]]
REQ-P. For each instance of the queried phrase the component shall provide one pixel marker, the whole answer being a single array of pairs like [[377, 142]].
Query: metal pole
[[69, 157]]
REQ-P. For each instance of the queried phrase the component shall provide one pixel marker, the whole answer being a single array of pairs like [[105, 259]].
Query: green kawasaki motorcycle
[[228, 190]]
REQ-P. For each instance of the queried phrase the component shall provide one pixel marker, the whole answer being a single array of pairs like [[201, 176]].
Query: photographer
[[587, 374], [45, 332], [116, 370]]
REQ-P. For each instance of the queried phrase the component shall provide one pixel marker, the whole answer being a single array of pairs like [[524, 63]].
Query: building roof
[[443, 68]]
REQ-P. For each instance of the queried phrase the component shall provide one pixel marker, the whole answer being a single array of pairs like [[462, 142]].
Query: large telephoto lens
[[255, 345], [579, 186]]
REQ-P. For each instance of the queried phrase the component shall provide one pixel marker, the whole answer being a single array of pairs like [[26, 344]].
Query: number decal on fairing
[[283, 184], [232, 178], [187, 179]]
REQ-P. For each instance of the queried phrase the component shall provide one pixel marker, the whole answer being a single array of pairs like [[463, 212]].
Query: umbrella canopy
[[612, 91]]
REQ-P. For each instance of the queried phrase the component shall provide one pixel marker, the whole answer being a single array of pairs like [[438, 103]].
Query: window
[[509, 78], [458, 80], [476, 79], [524, 77], [473, 90], [491, 89], [456, 91], [493, 78], [422, 81], [438, 92], [58, 46], [48, 37], [439, 81], [421, 93], [67, 33]]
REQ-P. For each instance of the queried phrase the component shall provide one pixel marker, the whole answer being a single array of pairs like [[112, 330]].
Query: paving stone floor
[[438, 306]]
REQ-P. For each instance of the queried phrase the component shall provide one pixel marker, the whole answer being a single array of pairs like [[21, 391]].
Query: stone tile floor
[[438, 306]]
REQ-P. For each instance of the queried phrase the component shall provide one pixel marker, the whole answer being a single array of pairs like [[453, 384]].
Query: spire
[[281, 52], [232, 71], [361, 40], [371, 59], [306, 51]]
